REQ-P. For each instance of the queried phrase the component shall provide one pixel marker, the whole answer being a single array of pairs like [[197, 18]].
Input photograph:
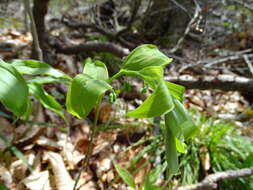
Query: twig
[[224, 59], [210, 181], [137, 5], [210, 62], [187, 30], [181, 7], [33, 30], [248, 62], [243, 4], [111, 35]]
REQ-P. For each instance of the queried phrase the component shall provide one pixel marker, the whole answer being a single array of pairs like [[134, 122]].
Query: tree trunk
[[39, 12]]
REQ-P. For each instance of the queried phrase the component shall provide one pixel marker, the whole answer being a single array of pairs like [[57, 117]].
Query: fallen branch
[[222, 82], [114, 36], [93, 46], [210, 181], [208, 63]]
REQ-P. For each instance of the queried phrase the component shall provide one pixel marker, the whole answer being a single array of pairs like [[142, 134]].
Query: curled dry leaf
[[62, 178], [38, 181]]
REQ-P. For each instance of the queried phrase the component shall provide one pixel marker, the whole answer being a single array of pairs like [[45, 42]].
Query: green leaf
[[15, 151], [33, 67], [180, 146], [47, 79], [176, 90], [145, 56], [151, 75], [96, 70], [125, 175], [83, 94], [180, 121], [13, 89], [160, 102], [28, 110], [151, 179], [45, 99], [170, 148], [3, 187]]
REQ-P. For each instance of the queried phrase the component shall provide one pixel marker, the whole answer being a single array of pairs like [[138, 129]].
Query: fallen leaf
[[38, 181]]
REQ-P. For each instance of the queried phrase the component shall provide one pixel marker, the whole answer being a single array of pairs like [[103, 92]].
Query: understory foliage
[[22, 79], [217, 146]]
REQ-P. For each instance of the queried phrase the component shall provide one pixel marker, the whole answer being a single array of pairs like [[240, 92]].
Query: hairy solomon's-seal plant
[[86, 90]]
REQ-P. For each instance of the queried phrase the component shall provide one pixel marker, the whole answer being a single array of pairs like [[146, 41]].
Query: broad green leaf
[[170, 148], [13, 89], [47, 79], [180, 146], [145, 56], [125, 175], [33, 67], [151, 75], [96, 70], [45, 99], [180, 121], [83, 94], [160, 102], [176, 90], [3, 187], [28, 110]]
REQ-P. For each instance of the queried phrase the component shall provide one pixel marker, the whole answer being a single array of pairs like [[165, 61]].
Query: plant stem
[[114, 77], [91, 139]]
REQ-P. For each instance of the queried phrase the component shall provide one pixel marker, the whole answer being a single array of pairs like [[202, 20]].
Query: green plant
[[87, 89], [227, 149], [149, 180]]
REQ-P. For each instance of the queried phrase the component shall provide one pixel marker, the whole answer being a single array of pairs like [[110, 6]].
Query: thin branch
[[181, 7], [246, 5], [34, 30], [248, 62], [211, 62], [224, 59], [110, 34], [210, 181], [188, 28], [137, 5]]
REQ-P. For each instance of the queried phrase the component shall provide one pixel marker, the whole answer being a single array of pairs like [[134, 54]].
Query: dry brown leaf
[[7, 130], [62, 178], [70, 155], [18, 170], [38, 181], [5, 177], [205, 159], [48, 143]]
